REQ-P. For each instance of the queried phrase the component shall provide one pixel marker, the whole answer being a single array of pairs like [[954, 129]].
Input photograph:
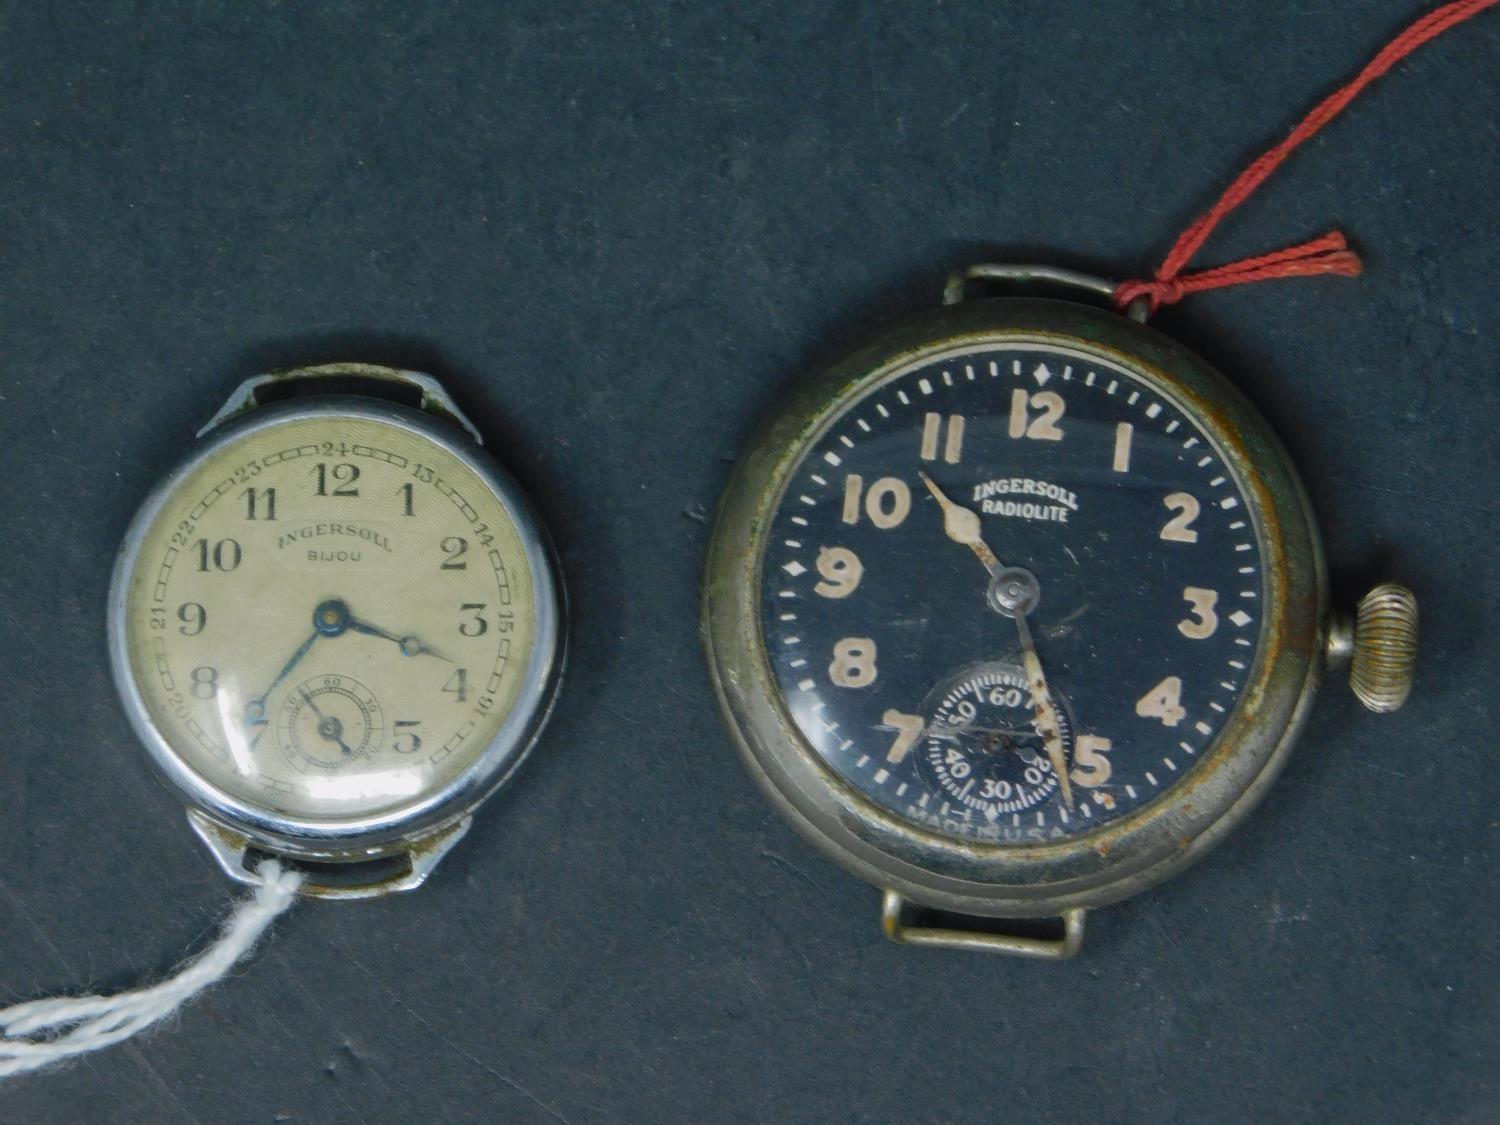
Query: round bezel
[[1119, 858], [427, 812]]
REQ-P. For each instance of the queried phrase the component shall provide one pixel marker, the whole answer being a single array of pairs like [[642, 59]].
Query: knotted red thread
[[1327, 255]]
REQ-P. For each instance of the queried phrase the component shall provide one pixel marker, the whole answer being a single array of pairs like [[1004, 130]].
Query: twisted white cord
[[41, 1032]]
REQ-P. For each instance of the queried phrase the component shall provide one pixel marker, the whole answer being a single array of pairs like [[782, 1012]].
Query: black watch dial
[[1012, 593]]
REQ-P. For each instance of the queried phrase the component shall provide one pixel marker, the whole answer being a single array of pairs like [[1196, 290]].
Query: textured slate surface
[[619, 232]]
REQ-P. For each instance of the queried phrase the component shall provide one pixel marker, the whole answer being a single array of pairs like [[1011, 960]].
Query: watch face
[[329, 614], [1012, 593]]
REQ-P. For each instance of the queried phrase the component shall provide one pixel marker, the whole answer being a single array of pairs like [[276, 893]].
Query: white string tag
[[39, 1033]]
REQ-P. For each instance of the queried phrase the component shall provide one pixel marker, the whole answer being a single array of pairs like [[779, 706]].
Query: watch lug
[[426, 853], [956, 289], [226, 846], [982, 941], [230, 848], [435, 399]]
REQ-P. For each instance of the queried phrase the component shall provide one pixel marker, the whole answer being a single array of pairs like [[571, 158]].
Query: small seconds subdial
[[981, 745], [328, 722]]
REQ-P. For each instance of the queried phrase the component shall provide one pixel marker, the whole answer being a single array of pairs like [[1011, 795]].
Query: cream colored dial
[[329, 617]]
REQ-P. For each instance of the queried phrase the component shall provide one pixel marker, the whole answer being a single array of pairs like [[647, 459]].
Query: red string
[[1327, 255]]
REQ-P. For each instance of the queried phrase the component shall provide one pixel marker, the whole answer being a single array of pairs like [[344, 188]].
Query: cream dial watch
[[337, 626]]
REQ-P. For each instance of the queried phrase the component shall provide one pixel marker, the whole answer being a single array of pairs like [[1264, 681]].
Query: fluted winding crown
[[1385, 647]]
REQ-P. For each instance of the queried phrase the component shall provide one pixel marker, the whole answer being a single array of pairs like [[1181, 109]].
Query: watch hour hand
[[409, 645], [372, 630], [962, 526], [412, 646]]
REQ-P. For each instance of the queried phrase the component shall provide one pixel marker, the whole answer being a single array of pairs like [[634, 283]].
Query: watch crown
[[1384, 649]]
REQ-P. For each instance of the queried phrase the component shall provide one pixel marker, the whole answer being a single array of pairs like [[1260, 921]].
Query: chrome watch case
[[364, 856]]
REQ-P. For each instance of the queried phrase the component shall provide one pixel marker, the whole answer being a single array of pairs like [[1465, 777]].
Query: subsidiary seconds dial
[[1012, 592]]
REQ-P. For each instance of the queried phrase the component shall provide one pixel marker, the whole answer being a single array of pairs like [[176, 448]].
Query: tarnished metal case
[[1118, 859]]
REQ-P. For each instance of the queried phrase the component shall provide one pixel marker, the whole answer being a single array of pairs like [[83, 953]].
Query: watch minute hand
[[1047, 723], [372, 630], [255, 709]]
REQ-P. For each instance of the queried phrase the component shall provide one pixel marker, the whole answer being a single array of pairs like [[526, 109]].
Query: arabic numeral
[[1044, 424], [474, 625], [406, 740], [342, 476], [254, 508], [225, 555], [886, 503], [205, 683], [458, 685], [455, 547], [194, 619]]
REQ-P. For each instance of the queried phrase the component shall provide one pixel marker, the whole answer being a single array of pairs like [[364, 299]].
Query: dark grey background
[[619, 232]]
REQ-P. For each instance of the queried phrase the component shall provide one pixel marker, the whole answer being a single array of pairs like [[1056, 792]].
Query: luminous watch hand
[[1013, 592], [962, 526], [1047, 724]]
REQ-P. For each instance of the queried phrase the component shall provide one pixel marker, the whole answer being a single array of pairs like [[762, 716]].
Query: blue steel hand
[[410, 646], [329, 620], [255, 709]]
